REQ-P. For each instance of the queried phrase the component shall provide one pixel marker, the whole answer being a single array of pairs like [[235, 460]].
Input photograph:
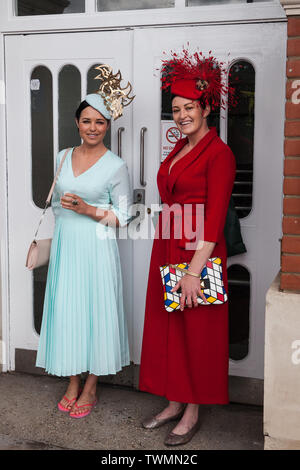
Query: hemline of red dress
[[185, 354]]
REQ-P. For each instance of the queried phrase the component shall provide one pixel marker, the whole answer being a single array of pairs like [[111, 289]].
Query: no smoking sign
[[173, 134], [170, 135]]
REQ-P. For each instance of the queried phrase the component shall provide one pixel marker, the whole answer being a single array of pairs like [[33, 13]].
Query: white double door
[[138, 55]]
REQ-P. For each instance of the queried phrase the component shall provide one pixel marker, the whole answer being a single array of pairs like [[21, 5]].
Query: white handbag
[[39, 250]]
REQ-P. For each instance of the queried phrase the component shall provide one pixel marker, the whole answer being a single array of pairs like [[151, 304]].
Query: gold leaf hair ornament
[[114, 96]]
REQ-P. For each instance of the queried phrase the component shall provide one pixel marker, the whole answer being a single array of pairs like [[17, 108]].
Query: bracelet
[[185, 271], [193, 274]]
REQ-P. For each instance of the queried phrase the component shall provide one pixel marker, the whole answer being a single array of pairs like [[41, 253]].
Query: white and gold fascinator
[[110, 98]]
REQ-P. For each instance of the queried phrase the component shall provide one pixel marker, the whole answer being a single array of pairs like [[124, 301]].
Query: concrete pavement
[[30, 420]]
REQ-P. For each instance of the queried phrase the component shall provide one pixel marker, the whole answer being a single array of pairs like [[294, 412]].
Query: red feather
[[197, 66]]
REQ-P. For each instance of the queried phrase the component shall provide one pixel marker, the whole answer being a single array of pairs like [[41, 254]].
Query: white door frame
[[177, 16]]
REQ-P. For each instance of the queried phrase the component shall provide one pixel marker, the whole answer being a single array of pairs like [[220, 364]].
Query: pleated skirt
[[83, 327]]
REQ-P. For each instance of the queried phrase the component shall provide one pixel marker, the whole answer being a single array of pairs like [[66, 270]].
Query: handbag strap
[[51, 192]]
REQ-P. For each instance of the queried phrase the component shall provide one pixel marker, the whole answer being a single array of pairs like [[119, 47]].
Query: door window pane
[[41, 134], [49, 7], [194, 3], [241, 134], [116, 5], [69, 99], [39, 288], [92, 86], [239, 311], [42, 164]]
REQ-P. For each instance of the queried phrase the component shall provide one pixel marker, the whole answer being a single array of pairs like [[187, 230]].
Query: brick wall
[[290, 257]]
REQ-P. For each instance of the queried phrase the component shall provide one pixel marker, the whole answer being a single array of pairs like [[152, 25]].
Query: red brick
[[293, 68], [291, 186], [291, 147], [288, 89], [293, 47], [290, 263], [290, 244], [292, 166], [290, 281], [294, 26], [291, 206], [291, 225], [292, 129], [292, 110]]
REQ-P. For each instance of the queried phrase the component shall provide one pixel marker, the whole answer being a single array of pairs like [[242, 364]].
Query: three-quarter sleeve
[[220, 179], [121, 195]]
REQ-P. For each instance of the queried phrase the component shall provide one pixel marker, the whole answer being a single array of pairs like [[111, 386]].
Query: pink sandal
[[85, 413], [69, 401]]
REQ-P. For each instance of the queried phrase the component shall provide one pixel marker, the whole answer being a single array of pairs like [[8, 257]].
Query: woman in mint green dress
[[84, 326]]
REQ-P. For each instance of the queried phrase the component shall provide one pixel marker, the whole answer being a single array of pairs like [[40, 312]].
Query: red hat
[[187, 88], [194, 76]]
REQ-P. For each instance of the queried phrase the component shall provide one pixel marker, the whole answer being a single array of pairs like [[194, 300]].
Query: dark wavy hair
[[84, 104]]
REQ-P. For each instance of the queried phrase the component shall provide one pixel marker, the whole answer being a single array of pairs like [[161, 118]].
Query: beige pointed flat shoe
[[153, 423], [173, 439]]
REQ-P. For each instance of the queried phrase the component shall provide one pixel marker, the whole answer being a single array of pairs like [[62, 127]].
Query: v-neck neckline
[[71, 162], [173, 164], [190, 152]]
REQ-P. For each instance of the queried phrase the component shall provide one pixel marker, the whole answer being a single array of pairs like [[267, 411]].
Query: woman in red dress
[[185, 352]]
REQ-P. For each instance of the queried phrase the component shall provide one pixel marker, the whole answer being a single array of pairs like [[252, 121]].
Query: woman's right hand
[[190, 290]]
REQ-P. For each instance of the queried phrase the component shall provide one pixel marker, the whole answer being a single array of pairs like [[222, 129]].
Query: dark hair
[[84, 104], [80, 108]]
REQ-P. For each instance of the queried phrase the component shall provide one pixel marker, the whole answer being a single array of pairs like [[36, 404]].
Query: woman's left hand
[[190, 290], [67, 202]]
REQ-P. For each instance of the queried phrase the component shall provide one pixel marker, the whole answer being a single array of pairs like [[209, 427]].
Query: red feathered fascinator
[[195, 76]]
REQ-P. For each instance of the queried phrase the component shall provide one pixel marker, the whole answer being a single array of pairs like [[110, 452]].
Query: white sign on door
[[170, 134]]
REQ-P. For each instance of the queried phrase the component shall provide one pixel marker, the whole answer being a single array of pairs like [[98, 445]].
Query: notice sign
[[170, 134]]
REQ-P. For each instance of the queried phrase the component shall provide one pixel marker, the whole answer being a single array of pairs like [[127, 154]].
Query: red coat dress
[[185, 353]]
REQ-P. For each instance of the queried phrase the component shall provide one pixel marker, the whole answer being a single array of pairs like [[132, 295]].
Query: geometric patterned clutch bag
[[211, 283]]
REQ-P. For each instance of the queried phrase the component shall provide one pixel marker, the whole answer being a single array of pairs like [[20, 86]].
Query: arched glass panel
[[69, 85], [49, 7], [92, 86], [239, 311], [241, 134], [41, 90], [39, 287], [41, 134], [114, 5]]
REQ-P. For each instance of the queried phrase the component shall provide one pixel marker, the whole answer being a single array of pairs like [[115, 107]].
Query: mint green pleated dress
[[84, 326]]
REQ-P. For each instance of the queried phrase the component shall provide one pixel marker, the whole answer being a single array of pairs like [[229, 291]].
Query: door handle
[[120, 130], [142, 156]]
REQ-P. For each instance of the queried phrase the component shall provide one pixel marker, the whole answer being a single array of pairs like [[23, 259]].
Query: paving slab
[[30, 420]]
